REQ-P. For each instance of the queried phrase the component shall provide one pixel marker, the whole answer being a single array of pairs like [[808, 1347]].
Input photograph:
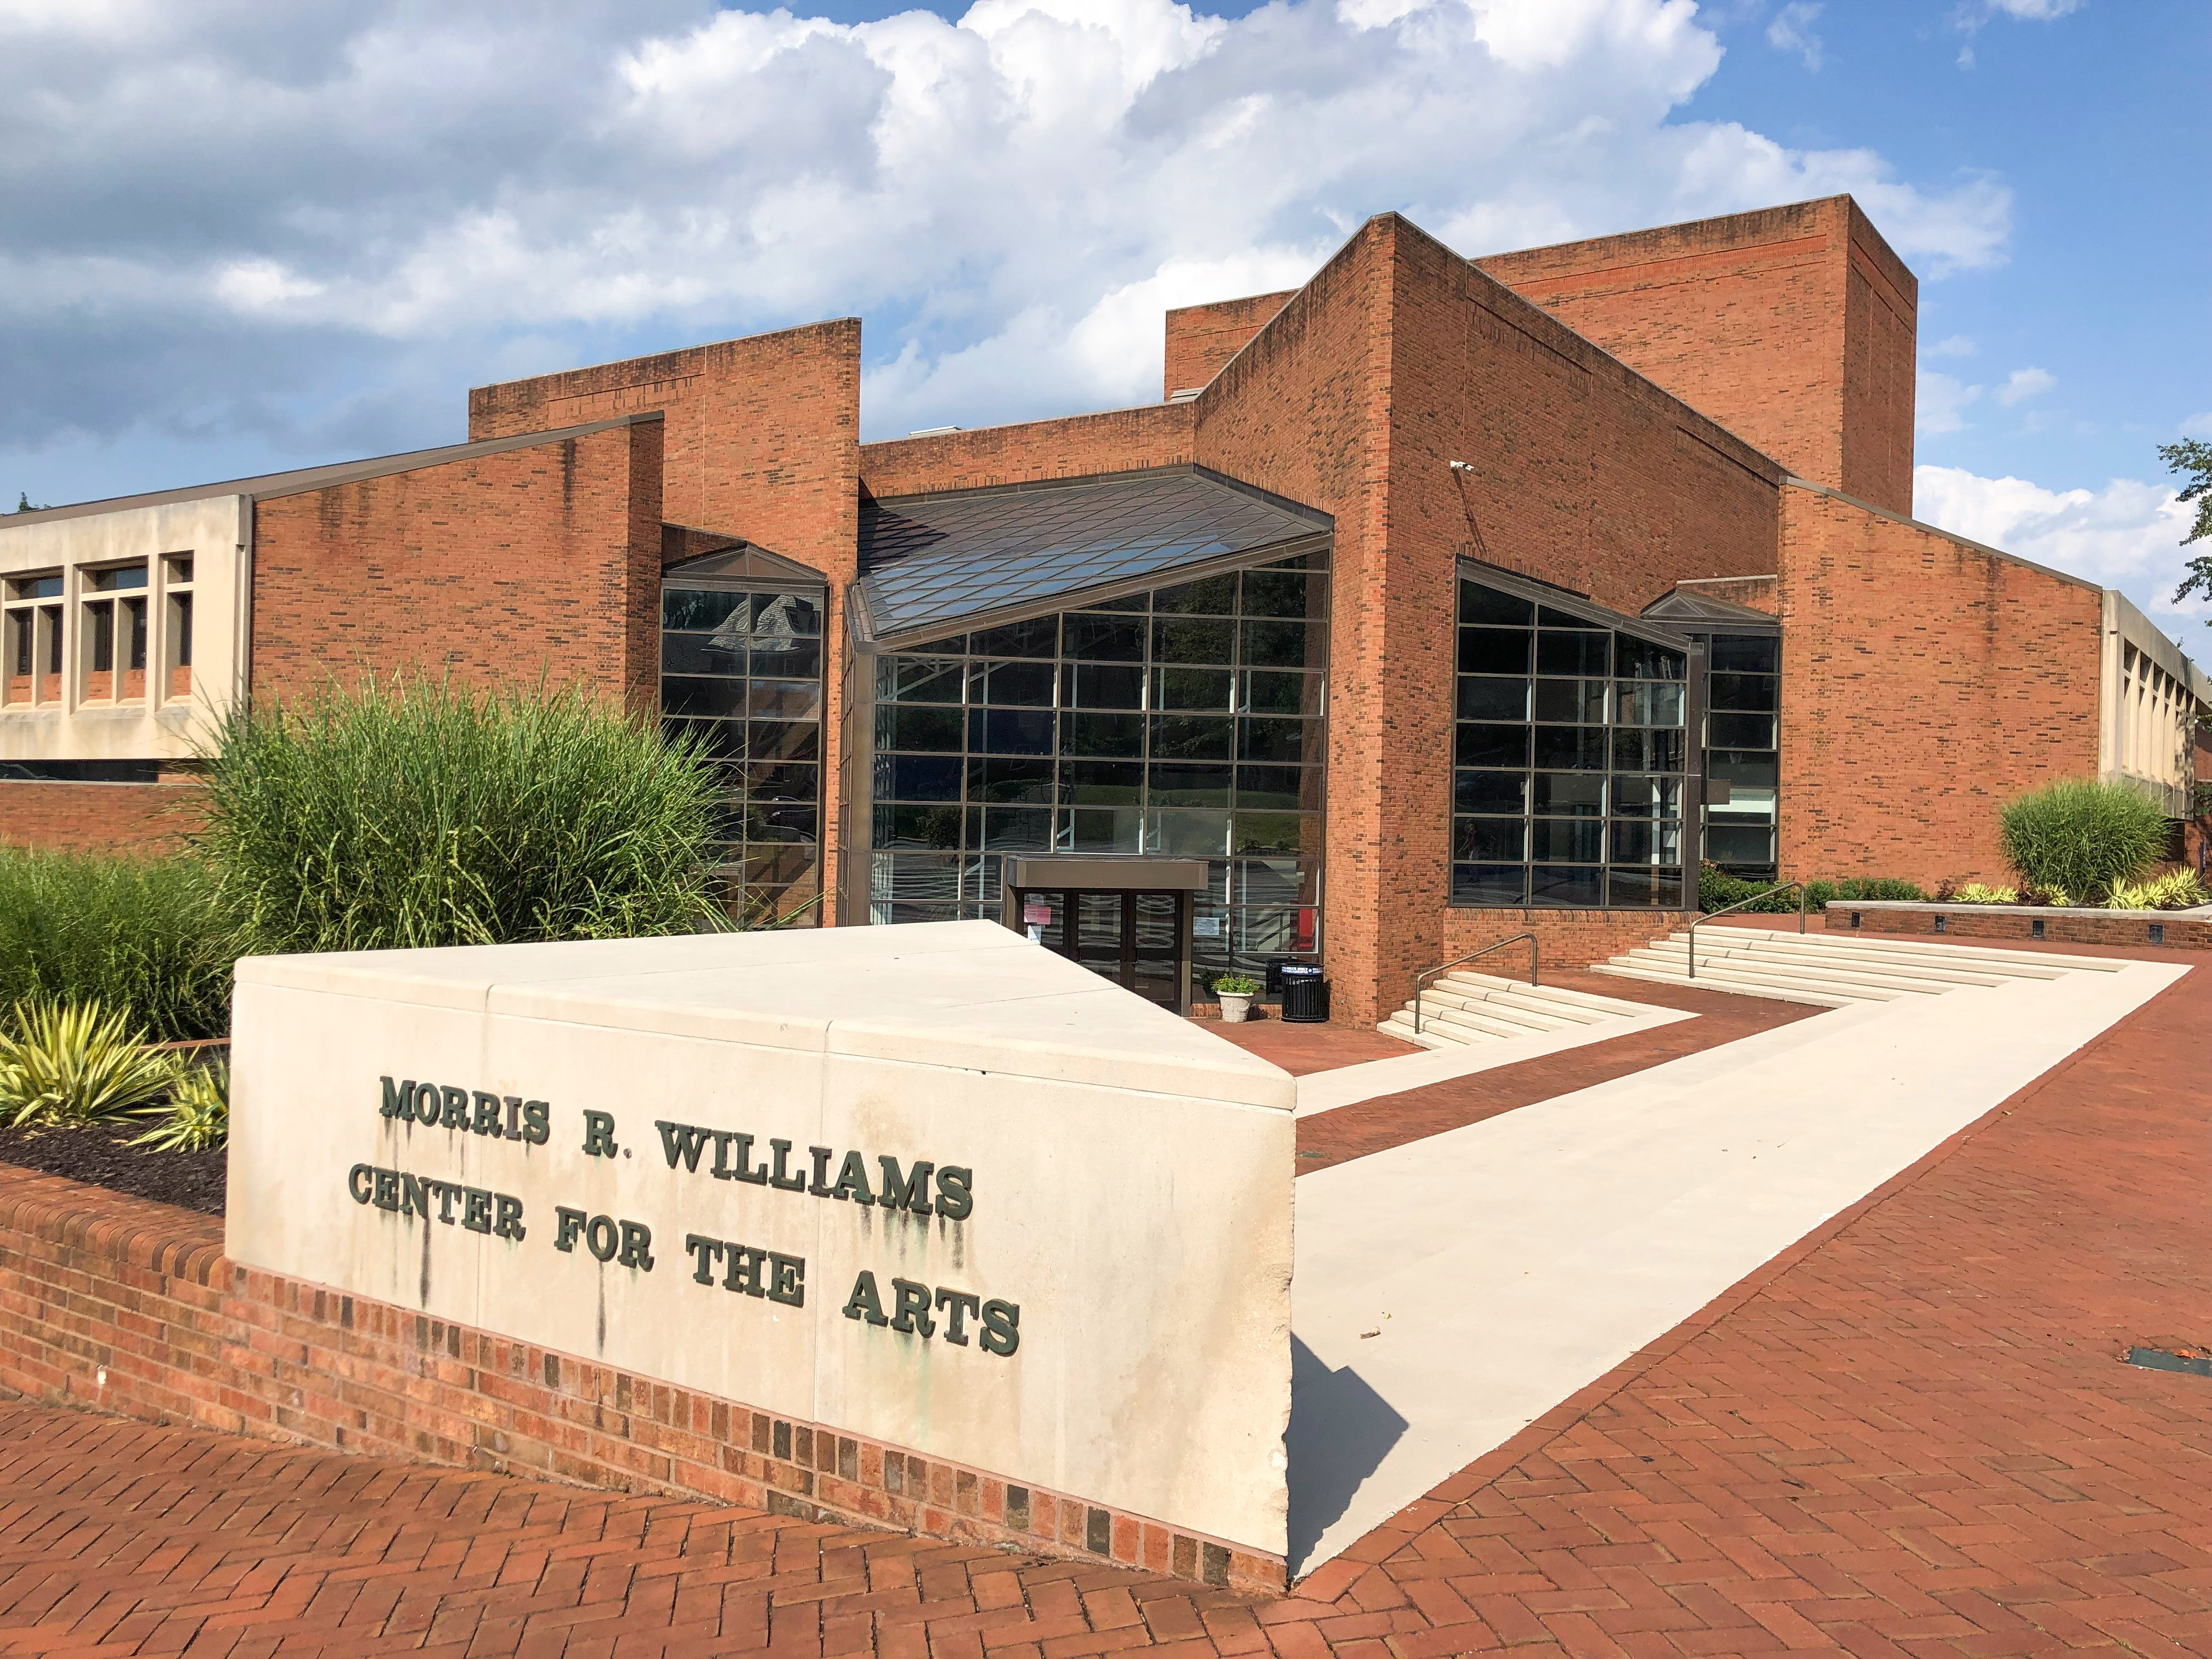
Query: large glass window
[[1569, 757], [741, 672], [1743, 709], [1183, 721]]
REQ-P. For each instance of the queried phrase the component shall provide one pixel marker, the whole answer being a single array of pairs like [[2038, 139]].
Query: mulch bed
[[98, 1153]]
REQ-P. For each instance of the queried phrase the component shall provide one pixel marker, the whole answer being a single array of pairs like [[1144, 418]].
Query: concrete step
[[1404, 1032], [1554, 993], [1968, 969], [1840, 973], [1521, 1010], [1737, 970], [1915, 946], [1619, 969], [1469, 1025]]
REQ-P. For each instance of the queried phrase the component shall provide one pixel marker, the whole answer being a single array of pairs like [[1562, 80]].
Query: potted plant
[[1235, 992]]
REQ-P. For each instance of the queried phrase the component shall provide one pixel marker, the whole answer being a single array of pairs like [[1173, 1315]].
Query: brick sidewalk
[[1910, 1435]]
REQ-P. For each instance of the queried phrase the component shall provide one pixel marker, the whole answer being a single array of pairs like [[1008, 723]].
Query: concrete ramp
[[1451, 1290]]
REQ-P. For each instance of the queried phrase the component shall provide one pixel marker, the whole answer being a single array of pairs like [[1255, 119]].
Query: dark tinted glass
[[1272, 739], [1104, 734], [918, 777], [1478, 603], [1275, 594], [1037, 637], [1103, 685], [1740, 731], [1491, 746], [1211, 596], [1641, 659], [1196, 688], [1659, 748], [927, 679], [1193, 737], [1194, 640], [1569, 795], [1567, 840], [1659, 889], [1573, 654], [1494, 839], [1104, 783], [1275, 644], [1010, 731], [996, 779], [692, 608], [917, 826], [1745, 691], [1190, 786], [1280, 787], [1499, 699], [1489, 792], [1745, 654], [1490, 883], [905, 727], [1563, 748], [1494, 650], [681, 695], [1030, 685], [1581, 887], [1103, 638], [1270, 693]]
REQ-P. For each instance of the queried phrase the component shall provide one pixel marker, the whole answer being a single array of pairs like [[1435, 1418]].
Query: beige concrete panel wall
[[217, 532], [1109, 1206]]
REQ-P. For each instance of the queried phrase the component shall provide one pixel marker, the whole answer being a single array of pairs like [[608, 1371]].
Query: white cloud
[[2023, 384], [2035, 11], [2127, 535], [1940, 402], [1002, 197], [1792, 30], [1954, 345], [2197, 426]]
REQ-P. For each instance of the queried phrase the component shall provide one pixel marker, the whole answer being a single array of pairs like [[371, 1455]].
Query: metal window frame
[[1694, 782]]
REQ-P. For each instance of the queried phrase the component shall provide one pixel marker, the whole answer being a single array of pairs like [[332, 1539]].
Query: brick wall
[[1399, 359], [1078, 447], [117, 1304], [1926, 681], [2177, 930], [538, 561], [102, 818], [1201, 339], [1794, 327], [762, 442], [1753, 592]]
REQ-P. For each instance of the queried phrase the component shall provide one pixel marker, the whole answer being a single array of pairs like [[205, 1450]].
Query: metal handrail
[[1421, 980], [1716, 915]]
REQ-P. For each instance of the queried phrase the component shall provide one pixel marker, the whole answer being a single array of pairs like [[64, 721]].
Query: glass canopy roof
[[928, 562]]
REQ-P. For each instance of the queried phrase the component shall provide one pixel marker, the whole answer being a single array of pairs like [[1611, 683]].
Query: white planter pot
[[1235, 1010]]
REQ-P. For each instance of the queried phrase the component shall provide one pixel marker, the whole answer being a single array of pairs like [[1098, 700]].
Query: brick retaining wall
[[2185, 930], [119, 1304]]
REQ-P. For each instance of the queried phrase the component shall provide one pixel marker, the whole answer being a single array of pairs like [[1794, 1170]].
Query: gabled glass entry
[[1184, 720], [1570, 753]]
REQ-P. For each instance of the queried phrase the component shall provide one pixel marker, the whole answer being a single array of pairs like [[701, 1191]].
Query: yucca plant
[[63, 1063], [2081, 836], [2177, 889], [412, 813], [197, 1115]]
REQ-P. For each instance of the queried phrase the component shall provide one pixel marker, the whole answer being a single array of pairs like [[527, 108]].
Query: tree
[[2192, 458]]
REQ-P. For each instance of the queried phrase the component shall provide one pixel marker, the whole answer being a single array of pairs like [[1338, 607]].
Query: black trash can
[[1305, 994]]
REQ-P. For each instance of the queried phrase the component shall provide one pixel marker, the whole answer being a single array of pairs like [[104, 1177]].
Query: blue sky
[[243, 235]]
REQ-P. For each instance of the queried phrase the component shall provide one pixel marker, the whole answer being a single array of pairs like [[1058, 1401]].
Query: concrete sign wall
[[928, 1184]]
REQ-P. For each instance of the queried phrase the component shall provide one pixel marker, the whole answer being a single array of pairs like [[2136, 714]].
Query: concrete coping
[[1954, 906]]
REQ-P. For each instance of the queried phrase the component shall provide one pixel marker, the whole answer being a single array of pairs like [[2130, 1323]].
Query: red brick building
[[1437, 599]]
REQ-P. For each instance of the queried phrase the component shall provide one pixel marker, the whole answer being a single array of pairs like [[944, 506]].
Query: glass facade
[[1743, 709], [1183, 721], [741, 671], [1569, 758]]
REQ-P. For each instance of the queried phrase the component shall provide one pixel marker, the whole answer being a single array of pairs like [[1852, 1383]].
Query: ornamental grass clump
[[2081, 837], [65, 1064], [411, 814], [140, 935]]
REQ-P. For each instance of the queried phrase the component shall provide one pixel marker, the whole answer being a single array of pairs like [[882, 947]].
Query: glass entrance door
[[1139, 940]]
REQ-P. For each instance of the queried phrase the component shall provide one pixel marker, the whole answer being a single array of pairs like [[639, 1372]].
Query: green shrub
[[141, 935], [1235, 985], [69, 1063], [2079, 837], [196, 1117], [412, 814], [2178, 890], [1717, 889]]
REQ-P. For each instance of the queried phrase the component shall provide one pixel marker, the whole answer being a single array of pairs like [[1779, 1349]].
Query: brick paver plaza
[[1913, 1434]]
